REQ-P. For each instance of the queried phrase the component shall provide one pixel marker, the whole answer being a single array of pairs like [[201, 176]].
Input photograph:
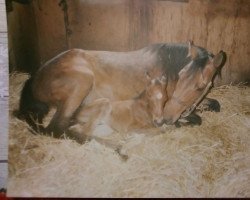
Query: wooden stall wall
[[22, 38], [99, 24], [50, 23], [123, 25]]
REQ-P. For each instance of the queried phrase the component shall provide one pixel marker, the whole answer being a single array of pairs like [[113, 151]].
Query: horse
[[103, 117], [77, 77]]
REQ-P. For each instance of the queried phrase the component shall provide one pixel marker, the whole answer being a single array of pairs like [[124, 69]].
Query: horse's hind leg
[[62, 117], [66, 109]]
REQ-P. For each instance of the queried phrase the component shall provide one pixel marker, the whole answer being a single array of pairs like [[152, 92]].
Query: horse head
[[194, 82], [155, 94]]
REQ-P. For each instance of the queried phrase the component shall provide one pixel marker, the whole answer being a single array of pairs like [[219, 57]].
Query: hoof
[[214, 106], [209, 105], [192, 119]]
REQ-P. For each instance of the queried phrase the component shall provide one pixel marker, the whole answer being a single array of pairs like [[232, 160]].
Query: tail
[[30, 109]]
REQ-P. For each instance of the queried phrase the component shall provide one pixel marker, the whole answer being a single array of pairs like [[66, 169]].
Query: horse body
[[78, 77], [103, 116], [69, 78], [112, 71]]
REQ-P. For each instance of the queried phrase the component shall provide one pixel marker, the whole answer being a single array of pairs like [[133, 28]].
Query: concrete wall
[[122, 25]]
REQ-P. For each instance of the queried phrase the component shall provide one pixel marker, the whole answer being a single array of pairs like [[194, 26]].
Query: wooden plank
[[3, 23], [52, 36], [3, 96], [4, 113], [3, 38], [3, 129], [3, 174]]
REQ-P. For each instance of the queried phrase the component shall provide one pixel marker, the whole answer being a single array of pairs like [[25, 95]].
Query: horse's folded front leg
[[209, 104], [80, 133], [87, 119]]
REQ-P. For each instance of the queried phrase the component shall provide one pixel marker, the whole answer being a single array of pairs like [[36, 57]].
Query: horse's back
[[116, 75]]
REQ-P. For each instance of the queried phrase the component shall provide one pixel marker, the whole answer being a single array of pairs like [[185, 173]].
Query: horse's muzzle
[[158, 122]]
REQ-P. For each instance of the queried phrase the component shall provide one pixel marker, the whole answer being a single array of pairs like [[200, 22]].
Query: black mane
[[201, 60], [173, 57]]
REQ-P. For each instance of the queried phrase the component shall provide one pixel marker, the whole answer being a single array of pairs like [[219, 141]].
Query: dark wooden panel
[[23, 40], [50, 27]]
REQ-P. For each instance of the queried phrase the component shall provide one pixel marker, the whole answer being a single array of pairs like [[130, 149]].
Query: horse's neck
[[141, 99], [170, 88]]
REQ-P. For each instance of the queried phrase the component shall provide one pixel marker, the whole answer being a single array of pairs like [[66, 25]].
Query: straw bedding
[[211, 160]]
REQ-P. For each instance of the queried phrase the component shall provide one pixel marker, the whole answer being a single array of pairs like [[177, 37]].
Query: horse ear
[[192, 50], [220, 59]]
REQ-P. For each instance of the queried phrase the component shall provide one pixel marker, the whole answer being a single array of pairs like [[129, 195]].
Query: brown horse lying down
[[103, 117], [67, 81]]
